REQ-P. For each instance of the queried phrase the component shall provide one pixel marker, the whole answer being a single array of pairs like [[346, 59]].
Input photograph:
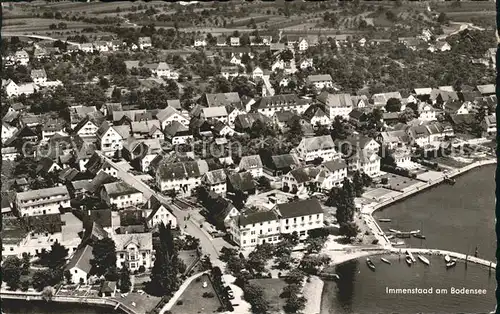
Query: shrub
[[24, 285], [375, 241], [384, 180], [208, 295], [180, 302], [197, 279], [142, 269]]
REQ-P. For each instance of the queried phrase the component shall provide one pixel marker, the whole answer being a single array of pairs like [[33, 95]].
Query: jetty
[[455, 255]]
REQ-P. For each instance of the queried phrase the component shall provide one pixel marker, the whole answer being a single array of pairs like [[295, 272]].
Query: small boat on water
[[451, 264], [385, 260], [403, 235], [384, 220], [370, 264], [394, 230], [413, 259], [408, 261], [447, 258], [399, 243], [424, 260], [419, 236], [390, 237], [415, 232], [449, 181]]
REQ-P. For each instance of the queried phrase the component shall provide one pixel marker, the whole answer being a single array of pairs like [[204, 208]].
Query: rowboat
[[424, 260], [385, 260], [390, 237], [408, 261], [447, 258], [411, 256], [414, 231], [451, 264], [384, 220], [419, 236], [394, 230], [398, 243], [370, 264]]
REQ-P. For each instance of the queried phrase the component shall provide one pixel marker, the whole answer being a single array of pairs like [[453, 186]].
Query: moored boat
[[370, 264], [394, 230], [385, 260], [411, 256], [447, 258], [384, 220], [414, 231], [408, 260], [451, 264], [419, 236], [390, 237], [399, 243], [424, 259]]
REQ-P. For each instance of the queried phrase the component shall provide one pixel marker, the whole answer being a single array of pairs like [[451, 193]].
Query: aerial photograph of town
[[249, 157]]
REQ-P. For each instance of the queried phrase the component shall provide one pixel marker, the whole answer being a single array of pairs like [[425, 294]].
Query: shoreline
[[388, 248]]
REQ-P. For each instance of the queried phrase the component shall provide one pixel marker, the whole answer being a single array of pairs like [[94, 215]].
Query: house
[[316, 116], [439, 97], [177, 133], [101, 46], [140, 153], [107, 289], [221, 129], [145, 42], [303, 44], [7, 131], [229, 71], [257, 73], [200, 41], [134, 250], [22, 57], [10, 153], [305, 63], [381, 99], [221, 41], [268, 106], [410, 42], [320, 81], [439, 46], [109, 139], [158, 213], [428, 135], [298, 180], [489, 124], [121, 194], [426, 112], [79, 265], [87, 128], [162, 69], [216, 113], [249, 230], [244, 122], [487, 90], [242, 182], [332, 174], [12, 89], [146, 129], [42, 201], [215, 181], [276, 165], [360, 153], [234, 41], [51, 128], [45, 166], [336, 105], [252, 164], [39, 76], [393, 139], [312, 148], [456, 107], [168, 115], [182, 177]]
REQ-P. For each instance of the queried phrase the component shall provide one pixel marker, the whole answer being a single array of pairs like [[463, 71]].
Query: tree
[[26, 260], [358, 183], [255, 296], [345, 203], [164, 275], [46, 277], [442, 18], [349, 230], [125, 280], [104, 261], [407, 115], [289, 290], [239, 199], [286, 55], [263, 183], [295, 276], [55, 258], [393, 105], [340, 129], [11, 272], [294, 304], [67, 276]]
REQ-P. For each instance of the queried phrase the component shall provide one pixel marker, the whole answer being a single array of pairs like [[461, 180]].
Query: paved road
[[10, 34], [208, 244]]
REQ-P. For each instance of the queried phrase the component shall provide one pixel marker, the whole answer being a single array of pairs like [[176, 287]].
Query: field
[[40, 25], [192, 300], [272, 290]]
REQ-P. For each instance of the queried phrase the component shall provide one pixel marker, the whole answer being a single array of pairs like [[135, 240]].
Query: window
[[76, 271], [122, 255]]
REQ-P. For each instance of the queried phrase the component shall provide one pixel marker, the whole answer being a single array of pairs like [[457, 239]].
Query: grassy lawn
[[39, 25], [143, 302], [193, 302], [398, 182], [450, 162], [272, 290]]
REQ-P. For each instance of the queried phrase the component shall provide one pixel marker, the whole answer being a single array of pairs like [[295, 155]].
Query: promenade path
[[180, 291], [192, 228]]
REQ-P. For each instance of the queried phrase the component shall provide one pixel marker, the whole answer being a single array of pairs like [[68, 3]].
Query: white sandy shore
[[312, 292]]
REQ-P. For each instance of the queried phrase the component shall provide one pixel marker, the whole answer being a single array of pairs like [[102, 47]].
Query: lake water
[[456, 218], [42, 307]]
